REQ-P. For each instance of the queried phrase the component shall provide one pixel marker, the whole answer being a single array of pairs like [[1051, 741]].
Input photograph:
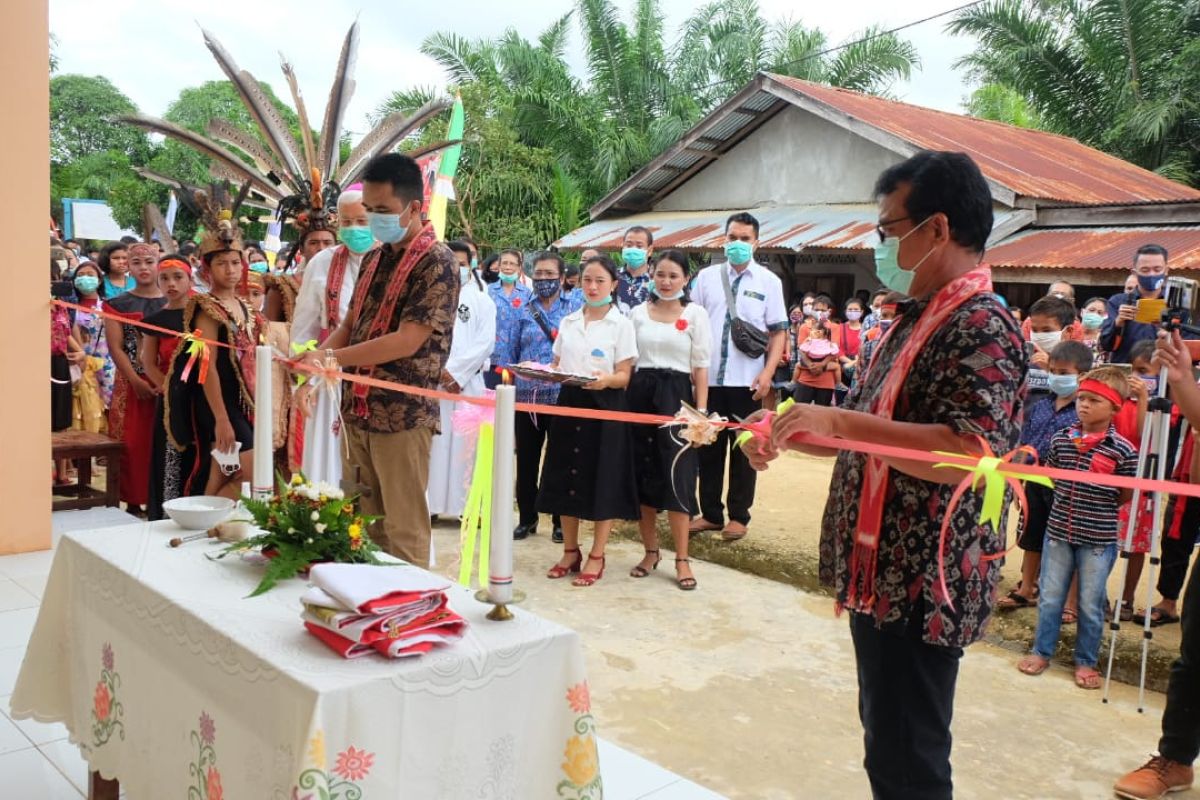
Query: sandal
[[687, 584], [641, 572], [559, 571], [1033, 665], [1087, 678], [702, 525], [1014, 600], [1069, 616], [588, 578], [734, 531], [1158, 616]]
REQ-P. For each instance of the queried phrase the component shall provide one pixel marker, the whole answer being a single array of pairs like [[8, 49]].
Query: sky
[[151, 51]]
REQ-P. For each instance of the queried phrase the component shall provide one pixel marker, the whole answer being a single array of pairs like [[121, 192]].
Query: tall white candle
[[500, 554], [263, 481]]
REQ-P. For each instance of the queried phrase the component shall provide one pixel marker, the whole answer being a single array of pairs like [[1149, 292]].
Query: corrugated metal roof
[[1032, 163], [1095, 248], [787, 228]]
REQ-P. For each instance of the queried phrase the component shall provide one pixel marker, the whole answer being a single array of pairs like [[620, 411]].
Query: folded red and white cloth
[[400, 611]]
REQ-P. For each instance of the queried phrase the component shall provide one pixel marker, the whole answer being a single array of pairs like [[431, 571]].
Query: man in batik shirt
[[947, 377]]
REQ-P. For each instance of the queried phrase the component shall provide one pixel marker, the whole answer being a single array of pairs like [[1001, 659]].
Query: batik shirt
[[969, 377], [530, 343], [1043, 420], [509, 309], [632, 290]]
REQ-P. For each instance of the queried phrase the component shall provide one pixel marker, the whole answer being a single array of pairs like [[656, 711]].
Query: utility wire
[[834, 49]]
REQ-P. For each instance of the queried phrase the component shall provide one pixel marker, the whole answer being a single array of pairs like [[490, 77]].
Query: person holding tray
[[674, 345], [588, 472]]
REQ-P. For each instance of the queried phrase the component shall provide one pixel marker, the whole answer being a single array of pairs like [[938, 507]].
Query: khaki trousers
[[393, 469]]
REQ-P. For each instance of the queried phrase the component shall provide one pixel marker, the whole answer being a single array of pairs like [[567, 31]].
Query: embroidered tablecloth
[[170, 680]]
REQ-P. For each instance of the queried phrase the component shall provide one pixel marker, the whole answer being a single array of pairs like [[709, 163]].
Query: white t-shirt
[[583, 348], [758, 293], [663, 345]]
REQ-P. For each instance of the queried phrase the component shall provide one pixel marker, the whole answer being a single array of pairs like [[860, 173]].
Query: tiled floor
[[38, 763]]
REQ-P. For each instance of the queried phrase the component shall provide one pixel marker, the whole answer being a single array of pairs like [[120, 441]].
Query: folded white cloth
[[372, 589]]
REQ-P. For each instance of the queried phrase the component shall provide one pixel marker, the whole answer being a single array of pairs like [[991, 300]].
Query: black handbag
[[750, 340]]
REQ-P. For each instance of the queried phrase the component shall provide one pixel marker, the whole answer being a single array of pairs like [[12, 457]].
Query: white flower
[[321, 526], [291, 530], [308, 540], [314, 516]]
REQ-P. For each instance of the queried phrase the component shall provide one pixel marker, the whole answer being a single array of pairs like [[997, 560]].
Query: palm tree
[[1120, 75]]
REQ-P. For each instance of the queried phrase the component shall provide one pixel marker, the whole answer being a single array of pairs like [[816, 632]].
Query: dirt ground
[[747, 686]]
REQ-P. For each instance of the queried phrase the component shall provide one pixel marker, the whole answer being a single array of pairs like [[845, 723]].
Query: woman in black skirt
[[673, 341], [588, 471]]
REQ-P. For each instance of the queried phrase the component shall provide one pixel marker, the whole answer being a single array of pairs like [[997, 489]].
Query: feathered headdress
[[300, 183], [218, 214]]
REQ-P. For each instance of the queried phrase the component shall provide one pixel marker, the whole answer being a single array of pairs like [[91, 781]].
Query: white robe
[[322, 457], [452, 459]]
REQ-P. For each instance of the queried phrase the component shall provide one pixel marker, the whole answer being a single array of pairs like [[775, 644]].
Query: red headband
[[1101, 390], [176, 263]]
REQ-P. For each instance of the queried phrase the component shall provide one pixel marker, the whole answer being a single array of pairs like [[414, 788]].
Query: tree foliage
[[1120, 75], [81, 108]]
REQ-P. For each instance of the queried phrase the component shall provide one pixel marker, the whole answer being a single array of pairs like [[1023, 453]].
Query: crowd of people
[[933, 360]]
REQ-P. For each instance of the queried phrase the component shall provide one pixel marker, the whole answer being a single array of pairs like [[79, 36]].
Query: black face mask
[[491, 277]]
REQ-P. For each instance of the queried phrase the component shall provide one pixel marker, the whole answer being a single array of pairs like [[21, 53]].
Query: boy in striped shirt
[[1081, 536]]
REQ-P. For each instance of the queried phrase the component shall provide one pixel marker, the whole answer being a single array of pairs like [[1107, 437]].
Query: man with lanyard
[[737, 382], [533, 340], [1120, 331], [633, 281], [320, 307], [397, 329], [947, 374]]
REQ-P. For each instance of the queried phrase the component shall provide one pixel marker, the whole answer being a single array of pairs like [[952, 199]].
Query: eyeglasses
[[883, 223]]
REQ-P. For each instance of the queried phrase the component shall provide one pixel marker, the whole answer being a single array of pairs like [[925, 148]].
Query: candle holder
[[500, 611]]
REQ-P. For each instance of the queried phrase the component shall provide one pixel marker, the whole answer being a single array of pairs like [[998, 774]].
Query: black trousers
[[905, 702], [731, 402], [530, 436], [1181, 719], [806, 394], [1176, 553]]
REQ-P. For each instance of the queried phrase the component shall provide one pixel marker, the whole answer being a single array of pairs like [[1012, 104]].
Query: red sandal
[[558, 571], [588, 578]]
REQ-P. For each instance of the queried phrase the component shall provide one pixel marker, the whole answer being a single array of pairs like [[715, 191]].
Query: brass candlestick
[[500, 611]]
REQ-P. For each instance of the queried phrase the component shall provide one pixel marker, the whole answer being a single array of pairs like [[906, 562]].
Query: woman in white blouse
[[588, 470], [674, 343]]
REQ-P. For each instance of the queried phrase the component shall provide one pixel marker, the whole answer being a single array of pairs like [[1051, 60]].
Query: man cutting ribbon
[[948, 371]]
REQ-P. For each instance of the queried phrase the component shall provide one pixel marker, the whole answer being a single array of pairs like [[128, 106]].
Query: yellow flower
[[355, 530], [296, 479], [581, 762], [316, 750]]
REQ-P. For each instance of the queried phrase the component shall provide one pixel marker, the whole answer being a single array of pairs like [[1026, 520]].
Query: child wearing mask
[[1049, 319], [1082, 532], [1095, 311], [884, 317], [1045, 418], [818, 372]]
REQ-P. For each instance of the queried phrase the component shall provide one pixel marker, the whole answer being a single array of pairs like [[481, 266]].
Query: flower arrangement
[[306, 523]]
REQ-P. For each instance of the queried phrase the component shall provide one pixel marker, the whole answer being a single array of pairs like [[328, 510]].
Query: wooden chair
[[81, 447]]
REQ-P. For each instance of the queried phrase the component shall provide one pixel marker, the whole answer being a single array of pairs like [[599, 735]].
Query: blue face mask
[[1151, 384], [738, 253], [677, 296], [634, 257], [546, 288], [1092, 320], [887, 263], [259, 266], [356, 237], [884, 324], [387, 228], [507, 278], [1150, 284], [87, 283], [1063, 385], [601, 303], [474, 263], [463, 274]]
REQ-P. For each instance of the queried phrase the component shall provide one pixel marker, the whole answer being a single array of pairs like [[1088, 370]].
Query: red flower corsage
[[516, 302], [681, 324], [553, 333]]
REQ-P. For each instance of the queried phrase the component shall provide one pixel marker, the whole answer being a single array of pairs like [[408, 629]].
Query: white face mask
[[1046, 341]]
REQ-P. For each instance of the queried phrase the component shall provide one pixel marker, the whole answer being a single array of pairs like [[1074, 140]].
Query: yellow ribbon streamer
[[299, 350], [477, 514], [988, 469]]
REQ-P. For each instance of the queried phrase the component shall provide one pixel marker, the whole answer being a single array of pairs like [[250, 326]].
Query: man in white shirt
[[321, 305], [737, 382]]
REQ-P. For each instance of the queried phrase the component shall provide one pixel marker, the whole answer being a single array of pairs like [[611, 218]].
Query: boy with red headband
[[1081, 536]]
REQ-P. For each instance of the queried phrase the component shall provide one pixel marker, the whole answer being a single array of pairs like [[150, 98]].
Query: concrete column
[[24, 273]]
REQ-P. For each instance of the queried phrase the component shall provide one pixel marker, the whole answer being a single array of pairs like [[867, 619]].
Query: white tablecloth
[[172, 681]]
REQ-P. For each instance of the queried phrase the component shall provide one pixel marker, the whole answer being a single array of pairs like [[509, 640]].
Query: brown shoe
[[1156, 778], [734, 531], [701, 525]]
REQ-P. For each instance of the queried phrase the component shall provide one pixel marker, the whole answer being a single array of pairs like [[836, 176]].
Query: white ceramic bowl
[[198, 513]]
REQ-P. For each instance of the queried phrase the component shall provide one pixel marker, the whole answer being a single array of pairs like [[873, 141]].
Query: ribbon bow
[[988, 469], [691, 429], [298, 350], [197, 349]]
